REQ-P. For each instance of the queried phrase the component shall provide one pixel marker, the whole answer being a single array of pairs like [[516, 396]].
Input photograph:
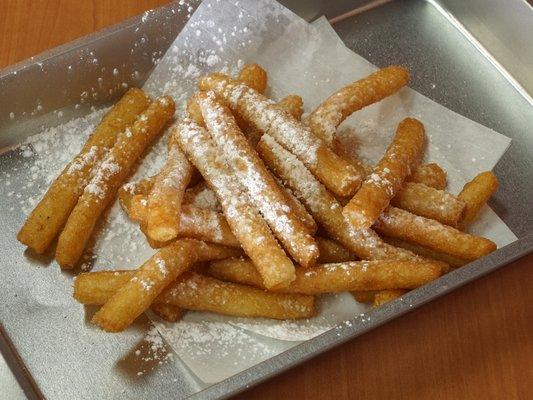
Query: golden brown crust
[[49, 216], [335, 277], [245, 221], [431, 175], [428, 202], [259, 183], [429, 233], [475, 195], [387, 176], [339, 175], [254, 76], [109, 176], [371, 89]]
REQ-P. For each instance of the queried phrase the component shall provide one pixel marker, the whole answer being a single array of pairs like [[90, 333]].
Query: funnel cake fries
[[431, 203], [452, 261], [337, 174], [232, 211], [110, 174], [387, 177], [475, 195], [375, 87], [251, 75], [254, 76], [324, 207], [201, 293], [168, 312], [133, 298], [254, 177], [245, 221], [432, 234], [195, 222], [165, 198], [335, 277], [49, 216], [430, 175]]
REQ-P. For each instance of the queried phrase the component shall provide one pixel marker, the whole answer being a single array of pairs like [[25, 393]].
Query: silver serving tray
[[477, 51]]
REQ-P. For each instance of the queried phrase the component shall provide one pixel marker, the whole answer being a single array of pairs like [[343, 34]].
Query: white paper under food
[[309, 60]]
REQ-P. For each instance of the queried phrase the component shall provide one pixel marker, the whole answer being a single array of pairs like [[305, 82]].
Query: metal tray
[[455, 44]]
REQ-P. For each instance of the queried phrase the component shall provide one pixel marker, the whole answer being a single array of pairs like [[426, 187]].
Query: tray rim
[[84, 40], [343, 332]]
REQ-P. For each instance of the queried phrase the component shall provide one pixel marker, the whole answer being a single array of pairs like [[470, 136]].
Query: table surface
[[476, 342]]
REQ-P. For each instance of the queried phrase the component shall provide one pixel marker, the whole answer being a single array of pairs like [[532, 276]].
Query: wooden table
[[475, 343]]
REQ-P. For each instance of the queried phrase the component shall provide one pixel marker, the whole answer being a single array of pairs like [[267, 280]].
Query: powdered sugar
[[98, 184], [267, 117], [250, 169], [202, 196], [49, 150]]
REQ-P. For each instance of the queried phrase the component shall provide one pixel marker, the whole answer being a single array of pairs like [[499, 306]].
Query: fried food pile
[[256, 211]]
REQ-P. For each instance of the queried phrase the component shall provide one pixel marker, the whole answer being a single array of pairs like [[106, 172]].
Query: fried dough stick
[[110, 174], [327, 211], [336, 108], [49, 216], [299, 210], [132, 299], [475, 194], [388, 175], [251, 75], [166, 196], [245, 221], [168, 312], [195, 222], [422, 251], [254, 76], [336, 173], [202, 196], [199, 195], [202, 224], [201, 293], [426, 201], [431, 203], [335, 277], [257, 180], [398, 223], [292, 103], [431, 175]]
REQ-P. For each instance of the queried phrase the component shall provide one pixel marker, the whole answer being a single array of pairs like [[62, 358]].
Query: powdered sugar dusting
[[202, 196], [254, 177], [365, 243], [244, 220], [49, 150], [265, 116], [98, 184]]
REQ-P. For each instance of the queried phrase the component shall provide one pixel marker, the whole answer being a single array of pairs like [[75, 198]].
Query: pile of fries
[[255, 211]]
